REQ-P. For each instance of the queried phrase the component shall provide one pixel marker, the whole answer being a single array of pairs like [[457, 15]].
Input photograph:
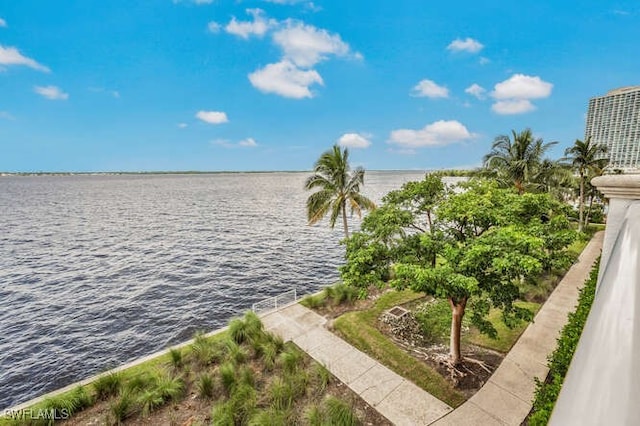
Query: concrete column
[[621, 190]]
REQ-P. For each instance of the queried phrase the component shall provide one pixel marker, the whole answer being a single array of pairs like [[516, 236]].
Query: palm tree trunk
[[587, 217], [581, 204], [344, 219]]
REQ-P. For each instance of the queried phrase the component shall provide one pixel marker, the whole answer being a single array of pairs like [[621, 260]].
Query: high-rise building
[[614, 120]]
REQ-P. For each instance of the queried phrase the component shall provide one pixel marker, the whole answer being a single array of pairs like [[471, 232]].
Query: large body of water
[[99, 270]]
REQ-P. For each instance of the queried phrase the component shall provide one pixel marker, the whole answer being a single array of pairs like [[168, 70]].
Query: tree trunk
[[429, 221], [581, 203], [457, 313], [344, 219], [587, 216]]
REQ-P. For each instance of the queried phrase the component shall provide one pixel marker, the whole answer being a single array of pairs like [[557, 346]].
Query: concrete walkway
[[395, 397], [504, 400]]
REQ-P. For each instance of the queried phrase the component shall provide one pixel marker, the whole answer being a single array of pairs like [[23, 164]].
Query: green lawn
[[507, 337], [359, 329]]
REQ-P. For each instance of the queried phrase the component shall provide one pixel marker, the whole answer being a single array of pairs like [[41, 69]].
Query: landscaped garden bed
[[243, 376]]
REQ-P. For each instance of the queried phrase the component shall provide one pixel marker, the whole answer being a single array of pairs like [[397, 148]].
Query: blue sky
[[91, 85]]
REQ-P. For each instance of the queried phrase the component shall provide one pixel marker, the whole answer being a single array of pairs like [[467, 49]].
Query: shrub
[[314, 301], [290, 359], [248, 328], [235, 352], [314, 416], [67, 404], [271, 417], [149, 400], [243, 400], [339, 413], [547, 392], [176, 358], [280, 394], [123, 407], [169, 388], [247, 376], [222, 414], [298, 381], [321, 378], [108, 385], [205, 386], [343, 293], [269, 353], [140, 381], [228, 376]]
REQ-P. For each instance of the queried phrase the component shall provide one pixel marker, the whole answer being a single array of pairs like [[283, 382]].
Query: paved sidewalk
[[506, 398], [396, 398]]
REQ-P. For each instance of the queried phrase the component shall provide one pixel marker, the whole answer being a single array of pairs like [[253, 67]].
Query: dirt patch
[[469, 377]]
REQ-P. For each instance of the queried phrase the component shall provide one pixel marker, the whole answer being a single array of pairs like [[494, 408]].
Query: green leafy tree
[[402, 228], [486, 240], [338, 189], [515, 160], [586, 158]]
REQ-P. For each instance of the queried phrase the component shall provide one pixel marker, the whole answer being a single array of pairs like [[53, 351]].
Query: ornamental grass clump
[[108, 385]]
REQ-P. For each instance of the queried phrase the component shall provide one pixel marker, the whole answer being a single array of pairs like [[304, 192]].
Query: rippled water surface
[[99, 270]]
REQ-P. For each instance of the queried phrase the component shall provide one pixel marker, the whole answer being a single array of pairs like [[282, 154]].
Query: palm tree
[[514, 160], [585, 158], [554, 177], [338, 188]]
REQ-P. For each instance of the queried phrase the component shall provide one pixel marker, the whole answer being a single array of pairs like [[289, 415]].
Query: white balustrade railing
[[275, 302]]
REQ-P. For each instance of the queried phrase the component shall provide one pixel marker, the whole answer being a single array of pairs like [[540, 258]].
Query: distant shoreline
[[446, 172]]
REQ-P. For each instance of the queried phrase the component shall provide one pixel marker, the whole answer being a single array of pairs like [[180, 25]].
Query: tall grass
[[290, 359], [280, 394], [176, 358], [228, 376], [337, 412], [205, 385], [108, 386], [123, 407]]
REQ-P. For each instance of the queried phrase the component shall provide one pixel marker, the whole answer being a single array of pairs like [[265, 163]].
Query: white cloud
[[285, 79], [476, 90], [354, 140], [520, 86], [513, 106], [244, 143], [484, 61], [3, 23], [51, 92], [259, 26], [442, 132], [213, 27], [212, 117], [306, 45], [309, 4], [429, 89], [12, 56], [248, 142], [182, 125], [467, 45], [513, 96]]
